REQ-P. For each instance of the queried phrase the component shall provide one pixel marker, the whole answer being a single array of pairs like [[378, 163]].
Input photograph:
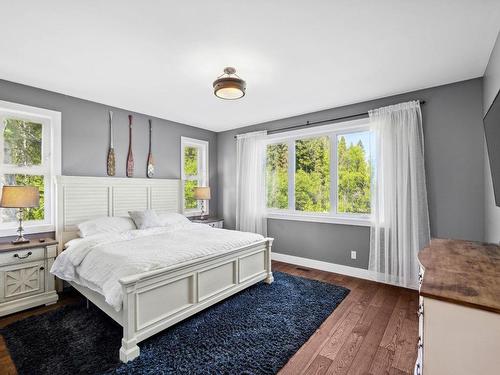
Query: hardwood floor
[[373, 331]]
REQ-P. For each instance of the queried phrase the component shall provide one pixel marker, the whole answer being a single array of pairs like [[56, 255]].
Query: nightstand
[[214, 222], [25, 278]]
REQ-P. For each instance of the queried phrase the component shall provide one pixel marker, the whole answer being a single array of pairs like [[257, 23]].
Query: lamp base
[[20, 240]]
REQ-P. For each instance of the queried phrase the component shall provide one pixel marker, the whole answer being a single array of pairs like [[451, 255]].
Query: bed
[[210, 265]]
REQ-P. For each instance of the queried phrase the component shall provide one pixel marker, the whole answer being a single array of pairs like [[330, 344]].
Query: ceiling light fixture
[[229, 85]]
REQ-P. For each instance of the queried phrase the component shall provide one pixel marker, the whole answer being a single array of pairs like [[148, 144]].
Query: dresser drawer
[[24, 255]]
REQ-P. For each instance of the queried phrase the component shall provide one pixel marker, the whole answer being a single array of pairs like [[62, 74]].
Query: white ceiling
[[160, 57]]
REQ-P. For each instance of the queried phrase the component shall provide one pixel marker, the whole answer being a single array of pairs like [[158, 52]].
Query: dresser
[[459, 310], [25, 280], [214, 222]]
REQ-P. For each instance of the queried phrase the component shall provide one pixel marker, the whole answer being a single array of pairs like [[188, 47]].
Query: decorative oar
[[111, 150], [151, 163], [130, 156]]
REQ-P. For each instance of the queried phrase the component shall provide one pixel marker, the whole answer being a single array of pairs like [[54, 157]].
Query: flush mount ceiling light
[[229, 85]]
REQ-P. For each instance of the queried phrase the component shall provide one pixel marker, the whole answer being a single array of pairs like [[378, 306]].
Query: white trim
[[51, 122], [28, 229], [203, 172], [352, 219], [360, 273]]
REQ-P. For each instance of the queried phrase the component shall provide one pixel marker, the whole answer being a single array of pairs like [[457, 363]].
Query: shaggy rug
[[253, 332]]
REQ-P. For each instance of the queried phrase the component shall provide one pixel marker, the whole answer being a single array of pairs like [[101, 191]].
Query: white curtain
[[400, 225], [250, 183]]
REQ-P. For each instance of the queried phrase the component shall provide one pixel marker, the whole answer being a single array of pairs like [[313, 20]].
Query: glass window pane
[[354, 173], [9, 214], [312, 174], [191, 161], [189, 201], [22, 142], [277, 175]]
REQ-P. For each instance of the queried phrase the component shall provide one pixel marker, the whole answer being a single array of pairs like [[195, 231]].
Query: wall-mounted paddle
[[130, 156], [151, 163], [111, 151]]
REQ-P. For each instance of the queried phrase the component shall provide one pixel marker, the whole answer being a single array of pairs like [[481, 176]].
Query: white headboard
[[83, 198]]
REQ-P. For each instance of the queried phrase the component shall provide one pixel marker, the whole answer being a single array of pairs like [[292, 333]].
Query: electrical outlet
[[353, 254]]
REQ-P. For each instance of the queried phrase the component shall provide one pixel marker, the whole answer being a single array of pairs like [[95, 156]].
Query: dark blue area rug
[[254, 332]]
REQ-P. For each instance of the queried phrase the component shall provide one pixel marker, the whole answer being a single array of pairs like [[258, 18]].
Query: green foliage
[[190, 169], [277, 176], [23, 147], [22, 142], [354, 173], [189, 201], [312, 176], [190, 161]]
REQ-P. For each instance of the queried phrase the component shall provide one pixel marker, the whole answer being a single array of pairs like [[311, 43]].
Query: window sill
[[28, 229], [318, 218]]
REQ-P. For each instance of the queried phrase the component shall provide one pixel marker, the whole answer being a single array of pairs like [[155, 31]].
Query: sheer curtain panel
[[400, 226], [250, 183]]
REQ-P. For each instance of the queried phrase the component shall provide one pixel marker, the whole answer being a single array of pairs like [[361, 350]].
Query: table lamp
[[202, 194], [20, 197]]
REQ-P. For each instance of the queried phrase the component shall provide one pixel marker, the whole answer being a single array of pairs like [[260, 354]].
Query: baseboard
[[331, 267]]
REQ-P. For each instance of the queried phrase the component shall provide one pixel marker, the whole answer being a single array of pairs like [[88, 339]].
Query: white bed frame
[[155, 300]]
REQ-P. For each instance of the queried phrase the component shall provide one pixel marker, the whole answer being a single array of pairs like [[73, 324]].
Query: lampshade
[[20, 197], [202, 193], [229, 86]]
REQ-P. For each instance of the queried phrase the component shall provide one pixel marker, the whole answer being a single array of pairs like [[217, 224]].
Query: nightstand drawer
[[22, 280], [216, 224], [24, 255]]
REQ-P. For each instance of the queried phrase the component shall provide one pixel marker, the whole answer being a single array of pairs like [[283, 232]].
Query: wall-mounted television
[[492, 132]]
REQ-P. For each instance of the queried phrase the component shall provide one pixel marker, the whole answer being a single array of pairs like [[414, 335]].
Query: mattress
[[98, 262]]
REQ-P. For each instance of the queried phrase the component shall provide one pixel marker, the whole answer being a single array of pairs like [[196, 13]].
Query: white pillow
[[172, 218], [105, 225], [145, 219]]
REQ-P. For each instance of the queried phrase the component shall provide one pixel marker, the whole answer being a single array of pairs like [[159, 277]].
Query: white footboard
[[158, 299]]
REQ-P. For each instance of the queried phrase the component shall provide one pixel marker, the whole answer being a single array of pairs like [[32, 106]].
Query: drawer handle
[[420, 311], [42, 268], [23, 257], [420, 344]]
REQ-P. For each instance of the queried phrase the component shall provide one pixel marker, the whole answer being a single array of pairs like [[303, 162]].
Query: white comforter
[[98, 262]]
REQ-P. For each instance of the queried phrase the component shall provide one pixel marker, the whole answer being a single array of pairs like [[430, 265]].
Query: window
[[277, 175], [353, 173], [30, 155], [312, 174], [194, 172], [320, 174]]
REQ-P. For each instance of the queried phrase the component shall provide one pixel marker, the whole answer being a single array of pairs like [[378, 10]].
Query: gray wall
[[491, 84], [454, 153], [85, 136]]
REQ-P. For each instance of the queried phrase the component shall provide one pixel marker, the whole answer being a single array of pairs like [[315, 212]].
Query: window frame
[[202, 177], [49, 167], [332, 130]]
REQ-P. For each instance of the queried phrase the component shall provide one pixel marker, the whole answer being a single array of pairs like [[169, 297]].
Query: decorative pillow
[[105, 225], [172, 218], [145, 219]]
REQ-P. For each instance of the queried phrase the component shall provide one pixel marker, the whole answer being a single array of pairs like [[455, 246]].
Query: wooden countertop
[[462, 272], [7, 246]]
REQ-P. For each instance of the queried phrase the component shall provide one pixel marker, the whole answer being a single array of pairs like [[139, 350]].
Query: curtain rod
[[314, 123]]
